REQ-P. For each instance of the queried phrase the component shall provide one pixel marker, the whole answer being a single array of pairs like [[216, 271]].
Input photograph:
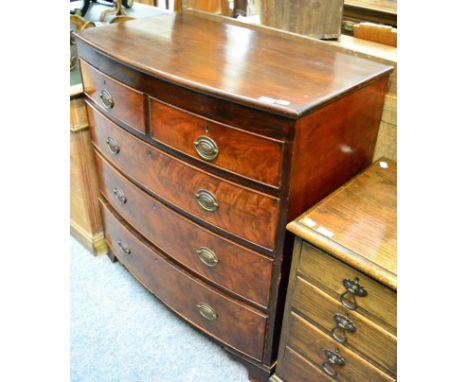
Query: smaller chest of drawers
[[340, 318]]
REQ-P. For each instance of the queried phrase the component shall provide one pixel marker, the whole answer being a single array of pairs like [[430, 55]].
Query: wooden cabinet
[[209, 137], [340, 317]]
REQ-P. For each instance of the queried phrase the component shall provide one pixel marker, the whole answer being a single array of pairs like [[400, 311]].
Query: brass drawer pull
[[206, 148], [119, 195], [207, 200], [353, 288], [207, 256], [113, 145], [333, 359], [106, 99], [124, 247], [207, 312], [343, 325]]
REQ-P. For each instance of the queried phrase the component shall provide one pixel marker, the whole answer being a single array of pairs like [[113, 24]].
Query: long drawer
[[335, 360], [249, 155], [362, 335], [238, 210], [223, 318], [296, 368], [377, 302], [123, 102], [219, 260]]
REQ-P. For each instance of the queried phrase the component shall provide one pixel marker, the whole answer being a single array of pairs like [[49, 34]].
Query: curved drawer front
[[123, 102], [379, 302], [221, 261], [240, 211], [312, 342], [366, 337], [230, 322], [246, 154]]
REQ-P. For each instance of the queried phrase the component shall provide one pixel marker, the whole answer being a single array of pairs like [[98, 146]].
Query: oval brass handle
[[113, 145], [206, 148], [119, 195], [207, 312], [353, 289], [343, 326], [124, 247], [207, 200], [106, 99], [207, 256], [333, 359]]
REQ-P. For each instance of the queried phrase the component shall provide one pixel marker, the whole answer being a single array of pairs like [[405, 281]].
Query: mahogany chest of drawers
[[340, 318], [209, 137]]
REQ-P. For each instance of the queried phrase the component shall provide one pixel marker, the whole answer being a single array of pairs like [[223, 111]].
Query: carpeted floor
[[121, 333]]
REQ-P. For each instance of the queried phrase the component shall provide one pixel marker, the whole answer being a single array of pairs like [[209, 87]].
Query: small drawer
[[221, 317], [333, 359], [362, 293], [240, 211], [219, 260], [347, 327], [119, 100], [249, 155], [295, 368]]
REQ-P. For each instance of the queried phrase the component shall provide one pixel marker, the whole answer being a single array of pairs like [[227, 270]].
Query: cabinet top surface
[[258, 68], [357, 223]]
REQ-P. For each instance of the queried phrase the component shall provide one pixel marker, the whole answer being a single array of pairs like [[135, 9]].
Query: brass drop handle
[[113, 145], [343, 326], [206, 148], [207, 201], [119, 195], [353, 289], [333, 359], [207, 312], [124, 247], [207, 256], [106, 99]]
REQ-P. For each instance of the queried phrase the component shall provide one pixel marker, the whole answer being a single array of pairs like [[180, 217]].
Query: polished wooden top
[[357, 223], [254, 67]]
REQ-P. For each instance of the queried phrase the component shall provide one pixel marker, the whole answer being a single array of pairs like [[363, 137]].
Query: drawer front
[[362, 335], [378, 303], [246, 154], [223, 318], [328, 355], [296, 368], [221, 261], [124, 103], [240, 211]]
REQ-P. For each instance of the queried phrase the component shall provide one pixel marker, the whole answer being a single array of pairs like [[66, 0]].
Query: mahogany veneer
[[208, 138]]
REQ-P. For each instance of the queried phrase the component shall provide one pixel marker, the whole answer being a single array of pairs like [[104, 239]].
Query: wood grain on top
[[253, 67], [357, 223]]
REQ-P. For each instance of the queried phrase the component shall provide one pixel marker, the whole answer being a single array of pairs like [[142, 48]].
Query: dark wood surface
[[361, 219], [237, 325], [299, 369], [246, 213], [129, 104], [249, 155], [181, 62], [160, 225], [234, 62]]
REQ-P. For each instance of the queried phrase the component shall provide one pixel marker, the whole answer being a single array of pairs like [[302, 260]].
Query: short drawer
[[334, 360], [376, 302], [295, 368], [249, 155], [219, 260], [119, 100], [356, 331], [221, 317], [240, 211]]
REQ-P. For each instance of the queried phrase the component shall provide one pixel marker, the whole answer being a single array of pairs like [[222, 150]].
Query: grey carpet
[[121, 333]]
